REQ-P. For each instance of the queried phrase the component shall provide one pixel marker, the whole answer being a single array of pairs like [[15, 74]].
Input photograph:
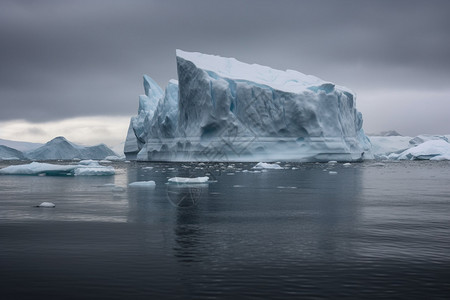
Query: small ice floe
[[294, 168], [46, 205], [347, 164], [105, 161], [147, 168], [189, 179], [441, 157], [238, 186], [332, 172], [263, 165], [118, 189], [286, 187], [144, 184], [230, 174], [332, 162], [88, 162], [94, 171]]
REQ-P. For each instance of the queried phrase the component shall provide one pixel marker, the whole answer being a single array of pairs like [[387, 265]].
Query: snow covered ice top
[[288, 81]]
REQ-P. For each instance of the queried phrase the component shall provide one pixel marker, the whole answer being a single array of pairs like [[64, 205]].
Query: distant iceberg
[[432, 149], [58, 148], [421, 147], [224, 109], [61, 148], [8, 153]]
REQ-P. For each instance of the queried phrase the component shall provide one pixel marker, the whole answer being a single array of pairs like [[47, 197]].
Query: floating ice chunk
[[88, 162], [94, 171], [332, 162], [347, 164], [114, 158], [332, 172], [189, 179], [441, 157], [45, 169], [427, 150], [36, 168], [46, 205], [146, 184], [118, 189], [263, 165], [286, 187], [294, 168]]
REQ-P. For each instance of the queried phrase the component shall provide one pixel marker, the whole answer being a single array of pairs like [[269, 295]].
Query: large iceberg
[[223, 109]]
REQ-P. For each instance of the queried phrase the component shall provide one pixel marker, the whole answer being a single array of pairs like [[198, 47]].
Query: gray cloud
[[62, 59]]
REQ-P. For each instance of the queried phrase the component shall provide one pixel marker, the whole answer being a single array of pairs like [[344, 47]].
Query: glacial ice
[[146, 184], [61, 148], [8, 153], [431, 149], [36, 168], [222, 109], [263, 165]]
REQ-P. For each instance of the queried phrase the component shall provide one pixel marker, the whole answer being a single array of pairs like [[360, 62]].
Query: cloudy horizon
[[75, 68]]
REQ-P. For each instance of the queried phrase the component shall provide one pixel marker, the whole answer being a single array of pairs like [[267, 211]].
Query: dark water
[[366, 232]]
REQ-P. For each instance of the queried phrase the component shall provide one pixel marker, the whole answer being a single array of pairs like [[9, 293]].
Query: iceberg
[[45, 169], [432, 149], [221, 109], [8, 153], [61, 148]]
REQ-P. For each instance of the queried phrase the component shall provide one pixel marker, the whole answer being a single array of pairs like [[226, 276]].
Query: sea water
[[378, 230]]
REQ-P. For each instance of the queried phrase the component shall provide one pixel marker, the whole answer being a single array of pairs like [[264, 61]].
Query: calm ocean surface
[[370, 231]]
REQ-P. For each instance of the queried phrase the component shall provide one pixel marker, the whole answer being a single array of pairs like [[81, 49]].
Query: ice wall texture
[[223, 109]]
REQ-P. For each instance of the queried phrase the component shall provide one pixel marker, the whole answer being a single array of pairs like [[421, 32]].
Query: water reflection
[[186, 195]]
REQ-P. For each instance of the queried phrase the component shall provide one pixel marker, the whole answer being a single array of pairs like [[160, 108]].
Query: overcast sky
[[74, 68]]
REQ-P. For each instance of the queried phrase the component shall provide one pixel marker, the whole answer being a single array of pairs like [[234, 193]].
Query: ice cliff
[[223, 109]]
